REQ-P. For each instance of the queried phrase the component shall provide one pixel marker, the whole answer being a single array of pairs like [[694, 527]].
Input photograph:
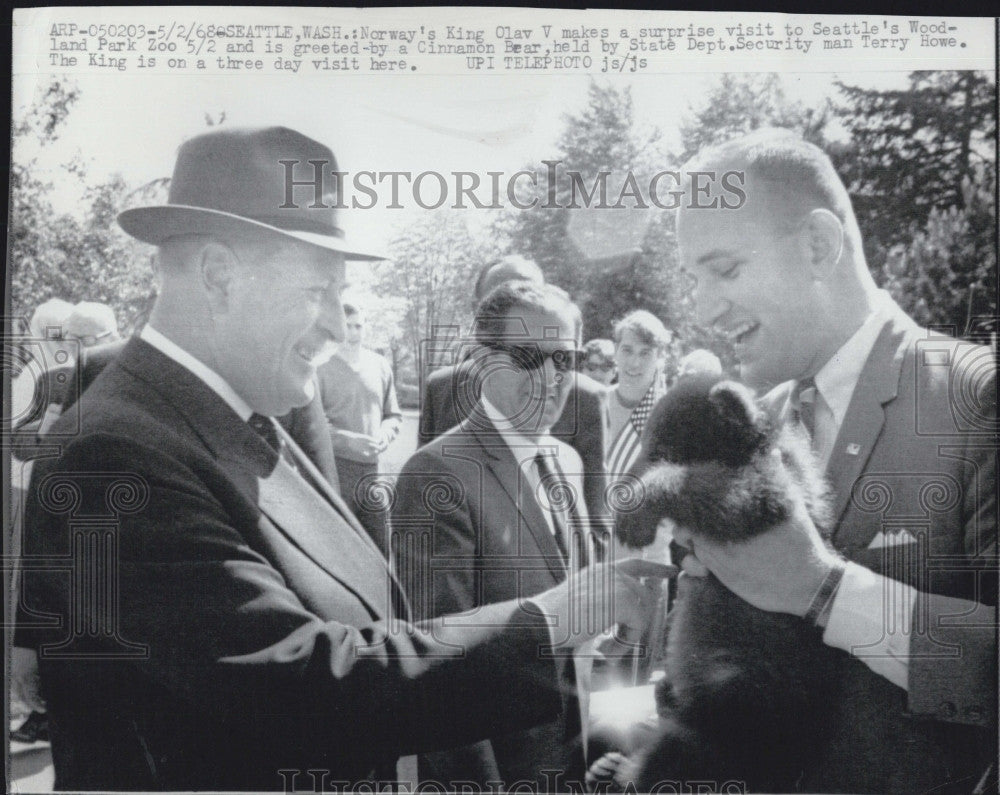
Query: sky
[[132, 122], [132, 125]]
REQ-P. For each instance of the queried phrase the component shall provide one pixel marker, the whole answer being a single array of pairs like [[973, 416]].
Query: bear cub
[[745, 691]]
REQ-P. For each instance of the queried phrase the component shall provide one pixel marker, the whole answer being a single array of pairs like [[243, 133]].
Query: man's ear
[[822, 241], [218, 267]]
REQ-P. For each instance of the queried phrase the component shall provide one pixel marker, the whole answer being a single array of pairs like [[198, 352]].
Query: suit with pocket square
[[913, 474]]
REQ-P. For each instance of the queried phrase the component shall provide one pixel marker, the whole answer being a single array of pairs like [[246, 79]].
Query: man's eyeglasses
[[533, 357], [602, 366]]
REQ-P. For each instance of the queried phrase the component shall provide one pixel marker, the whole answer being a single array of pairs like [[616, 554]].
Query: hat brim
[[157, 223]]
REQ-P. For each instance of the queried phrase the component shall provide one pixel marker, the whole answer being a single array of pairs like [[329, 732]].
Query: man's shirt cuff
[[872, 617]]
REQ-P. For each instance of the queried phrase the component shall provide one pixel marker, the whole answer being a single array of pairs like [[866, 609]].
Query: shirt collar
[[836, 379], [515, 440], [198, 368]]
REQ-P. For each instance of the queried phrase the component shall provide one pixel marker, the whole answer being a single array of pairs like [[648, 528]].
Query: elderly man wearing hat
[[253, 636]]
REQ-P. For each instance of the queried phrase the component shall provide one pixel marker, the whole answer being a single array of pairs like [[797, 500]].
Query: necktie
[[268, 431], [804, 404], [562, 500]]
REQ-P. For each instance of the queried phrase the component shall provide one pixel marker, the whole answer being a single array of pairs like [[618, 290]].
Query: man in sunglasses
[[451, 393], [599, 360], [494, 510]]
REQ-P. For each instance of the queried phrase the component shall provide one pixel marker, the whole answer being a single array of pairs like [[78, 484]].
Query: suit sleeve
[[953, 651], [225, 632], [427, 538], [436, 557]]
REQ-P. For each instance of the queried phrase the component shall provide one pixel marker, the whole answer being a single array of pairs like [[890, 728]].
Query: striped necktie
[[804, 404], [562, 501]]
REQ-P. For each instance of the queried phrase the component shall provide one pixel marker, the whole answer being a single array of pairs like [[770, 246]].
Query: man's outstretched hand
[[593, 600]]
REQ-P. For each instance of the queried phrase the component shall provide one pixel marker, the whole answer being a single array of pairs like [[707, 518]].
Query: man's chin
[[294, 399], [758, 378]]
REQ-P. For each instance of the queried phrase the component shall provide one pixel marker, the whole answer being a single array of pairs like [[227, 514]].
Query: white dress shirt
[[525, 450], [871, 615], [202, 371]]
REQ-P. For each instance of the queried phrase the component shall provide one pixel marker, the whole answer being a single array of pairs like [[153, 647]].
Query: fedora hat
[[231, 179]]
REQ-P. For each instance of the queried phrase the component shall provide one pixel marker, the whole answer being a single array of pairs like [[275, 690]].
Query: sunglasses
[[532, 357], [602, 366]]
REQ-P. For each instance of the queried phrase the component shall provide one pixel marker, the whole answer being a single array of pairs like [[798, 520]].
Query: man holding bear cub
[[904, 423]]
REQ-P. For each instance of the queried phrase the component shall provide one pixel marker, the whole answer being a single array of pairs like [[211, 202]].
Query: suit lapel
[[501, 462], [332, 543], [309, 471], [323, 529], [877, 386], [315, 478]]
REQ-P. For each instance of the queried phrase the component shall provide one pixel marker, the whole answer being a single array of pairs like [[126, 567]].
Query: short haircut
[[798, 176], [646, 326], [506, 269], [602, 347], [700, 360], [494, 312]]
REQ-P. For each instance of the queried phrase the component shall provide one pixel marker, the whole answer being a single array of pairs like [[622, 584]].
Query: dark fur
[[745, 691]]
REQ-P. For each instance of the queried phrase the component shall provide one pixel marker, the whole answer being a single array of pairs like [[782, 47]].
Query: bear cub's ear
[[742, 430], [707, 465], [705, 418]]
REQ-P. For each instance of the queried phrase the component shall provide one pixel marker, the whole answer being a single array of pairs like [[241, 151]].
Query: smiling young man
[[904, 422], [641, 342], [250, 630]]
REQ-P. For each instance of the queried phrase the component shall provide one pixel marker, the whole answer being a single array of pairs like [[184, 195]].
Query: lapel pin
[[853, 449]]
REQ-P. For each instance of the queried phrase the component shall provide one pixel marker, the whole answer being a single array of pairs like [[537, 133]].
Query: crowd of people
[[280, 609]]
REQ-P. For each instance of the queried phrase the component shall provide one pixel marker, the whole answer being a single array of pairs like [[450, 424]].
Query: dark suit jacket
[[917, 451], [451, 393], [470, 532], [219, 621], [307, 425]]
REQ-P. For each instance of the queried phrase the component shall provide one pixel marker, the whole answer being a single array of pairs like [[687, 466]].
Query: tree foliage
[[920, 167], [75, 257], [741, 103], [614, 254], [432, 269], [946, 275]]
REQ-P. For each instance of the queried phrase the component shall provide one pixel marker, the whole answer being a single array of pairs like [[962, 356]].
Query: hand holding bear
[[780, 570]]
